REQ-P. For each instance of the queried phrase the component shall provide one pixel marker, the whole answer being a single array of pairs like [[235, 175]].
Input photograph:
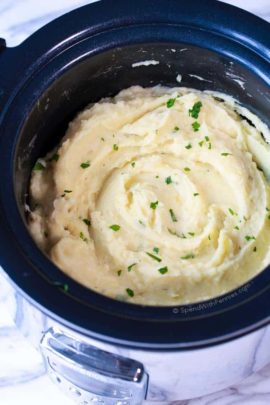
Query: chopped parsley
[[168, 180], [119, 273], [131, 266], [102, 139], [231, 211], [54, 157], [83, 237], [170, 102], [186, 169], [209, 145], [188, 256], [189, 146], [141, 222], [154, 257], [200, 143], [225, 154], [133, 164], [195, 110], [267, 209], [176, 129], [156, 249], [87, 221], [172, 214], [115, 227], [237, 227], [63, 286], [130, 292], [67, 191], [254, 249], [196, 126], [207, 138], [191, 233], [249, 237], [38, 166], [154, 205], [209, 237], [196, 194], [86, 164], [115, 146], [163, 270]]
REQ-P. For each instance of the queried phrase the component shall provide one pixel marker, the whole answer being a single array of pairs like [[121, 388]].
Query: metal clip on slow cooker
[[93, 375]]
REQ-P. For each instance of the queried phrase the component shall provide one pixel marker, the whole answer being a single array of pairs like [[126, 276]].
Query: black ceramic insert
[[78, 59]]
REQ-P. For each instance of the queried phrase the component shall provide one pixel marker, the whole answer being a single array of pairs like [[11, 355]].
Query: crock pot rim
[[61, 294]]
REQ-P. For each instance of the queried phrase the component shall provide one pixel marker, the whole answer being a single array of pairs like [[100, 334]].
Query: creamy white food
[[157, 196]]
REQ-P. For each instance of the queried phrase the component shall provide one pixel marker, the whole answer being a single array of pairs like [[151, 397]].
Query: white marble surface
[[29, 385]]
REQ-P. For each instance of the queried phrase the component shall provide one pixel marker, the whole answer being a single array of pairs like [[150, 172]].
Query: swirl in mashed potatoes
[[157, 196]]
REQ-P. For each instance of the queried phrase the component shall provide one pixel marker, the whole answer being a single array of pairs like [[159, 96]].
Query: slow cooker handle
[[90, 374]]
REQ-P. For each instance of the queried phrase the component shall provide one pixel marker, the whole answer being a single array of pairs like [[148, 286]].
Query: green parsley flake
[[196, 194], [186, 169], [170, 102], [176, 129], [67, 191], [130, 292], [158, 259], [83, 237], [38, 166], [62, 286], [196, 126], [225, 154], [86, 164], [188, 256], [189, 146], [201, 143], [249, 237], [154, 205], [191, 233], [195, 110], [119, 273], [168, 180], [254, 249], [156, 249], [172, 214], [115, 227], [102, 139], [54, 157], [207, 138], [115, 146], [231, 211], [131, 266], [237, 227], [209, 237], [267, 209], [133, 164], [163, 270], [87, 221], [210, 145]]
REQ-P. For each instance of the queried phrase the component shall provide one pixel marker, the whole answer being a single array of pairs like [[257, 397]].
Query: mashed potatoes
[[157, 196]]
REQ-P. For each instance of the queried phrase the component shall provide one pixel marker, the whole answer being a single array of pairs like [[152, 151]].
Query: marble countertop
[[22, 376]]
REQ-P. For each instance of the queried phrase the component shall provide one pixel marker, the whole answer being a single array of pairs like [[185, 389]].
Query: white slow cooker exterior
[[173, 375]]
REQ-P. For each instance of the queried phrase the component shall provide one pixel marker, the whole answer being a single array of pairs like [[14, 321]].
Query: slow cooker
[[98, 349]]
